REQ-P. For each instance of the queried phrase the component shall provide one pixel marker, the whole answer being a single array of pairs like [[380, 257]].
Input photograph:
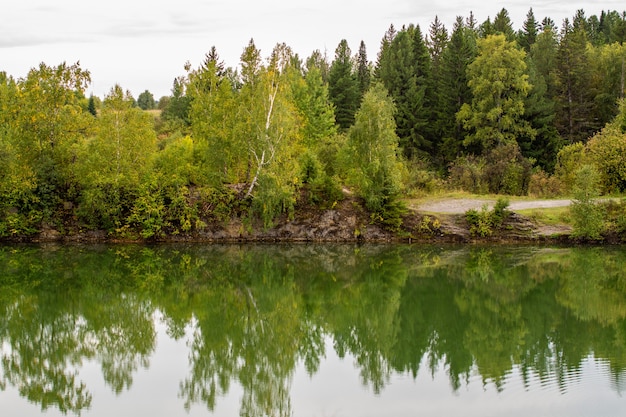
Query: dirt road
[[461, 205]]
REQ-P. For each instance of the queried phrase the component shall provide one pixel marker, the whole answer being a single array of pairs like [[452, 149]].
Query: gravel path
[[461, 205]]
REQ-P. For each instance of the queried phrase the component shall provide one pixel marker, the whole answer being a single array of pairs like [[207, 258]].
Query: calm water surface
[[312, 330]]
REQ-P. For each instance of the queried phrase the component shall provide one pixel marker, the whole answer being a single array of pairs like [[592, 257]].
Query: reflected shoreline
[[251, 315]]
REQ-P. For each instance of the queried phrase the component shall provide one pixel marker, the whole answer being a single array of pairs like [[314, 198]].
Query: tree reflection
[[55, 316], [253, 314]]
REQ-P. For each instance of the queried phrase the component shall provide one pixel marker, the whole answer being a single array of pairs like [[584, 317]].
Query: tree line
[[482, 107]]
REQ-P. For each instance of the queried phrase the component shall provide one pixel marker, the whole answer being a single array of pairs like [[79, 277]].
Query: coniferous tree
[[343, 86], [528, 35], [383, 63], [458, 54], [437, 42], [539, 111], [91, 106], [486, 28], [403, 69], [177, 109], [363, 70], [544, 56], [502, 24], [574, 96], [318, 60]]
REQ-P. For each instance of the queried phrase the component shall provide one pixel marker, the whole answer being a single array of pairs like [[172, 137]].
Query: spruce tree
[[403, 68], [343, 86], [574, 80], [458, 54], [528, 35], [502, 24], [363, 69]]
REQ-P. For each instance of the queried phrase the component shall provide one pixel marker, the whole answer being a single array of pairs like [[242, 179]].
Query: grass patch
[[548, 216]]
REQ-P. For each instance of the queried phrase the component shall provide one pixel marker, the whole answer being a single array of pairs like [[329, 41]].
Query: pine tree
[[363, 69], [403, 69], [502, 24], [575, 100], [383, 62], [539, 111], [343, 86], [458, 54], [528, 35], [91, 106]]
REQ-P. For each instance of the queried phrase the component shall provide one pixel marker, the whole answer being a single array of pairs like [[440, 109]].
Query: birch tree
[[271, 131]]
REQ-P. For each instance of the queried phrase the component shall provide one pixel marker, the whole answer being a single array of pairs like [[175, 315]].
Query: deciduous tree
[[499, 85]]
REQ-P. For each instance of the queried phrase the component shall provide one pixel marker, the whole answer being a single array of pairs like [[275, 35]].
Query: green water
[[312, 330]]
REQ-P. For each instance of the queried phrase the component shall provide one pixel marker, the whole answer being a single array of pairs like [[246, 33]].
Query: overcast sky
[[144, 44]]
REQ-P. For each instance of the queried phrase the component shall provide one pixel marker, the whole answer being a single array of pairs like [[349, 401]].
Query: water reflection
[[257, 312]]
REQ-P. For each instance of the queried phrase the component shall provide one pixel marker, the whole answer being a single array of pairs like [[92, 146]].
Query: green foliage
[[499, 85], [503, 170], [615, 216], [543, 185], [217, 204], [420, 177], [145, 101], [91, 106], [112, 163], [482, 223], [587, 215], [343, 86], [607, 149], [322, 189], [372, 148], [507, 171], [467, 173], [574, 94], [148, 212], [176, 109], [404, 69], [569, 159], [273, 199]]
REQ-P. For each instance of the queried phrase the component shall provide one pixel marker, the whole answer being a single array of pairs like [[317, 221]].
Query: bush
[[273, 199], [587, 215], [507, 171], [569, 159], [503, 170], [543, 185], [467, 173], [481, 223], [420, 177]]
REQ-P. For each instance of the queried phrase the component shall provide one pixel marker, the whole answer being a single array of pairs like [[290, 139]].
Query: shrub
[[544, 186], [273, 199], [467, 173], [587, 216], [569, 159], [507, 171], [481, 223], [420, 177]]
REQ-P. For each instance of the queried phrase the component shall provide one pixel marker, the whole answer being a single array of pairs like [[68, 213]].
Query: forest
[[482, 108]]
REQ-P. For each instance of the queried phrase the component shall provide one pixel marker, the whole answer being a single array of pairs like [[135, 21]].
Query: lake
[[312, 330]]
